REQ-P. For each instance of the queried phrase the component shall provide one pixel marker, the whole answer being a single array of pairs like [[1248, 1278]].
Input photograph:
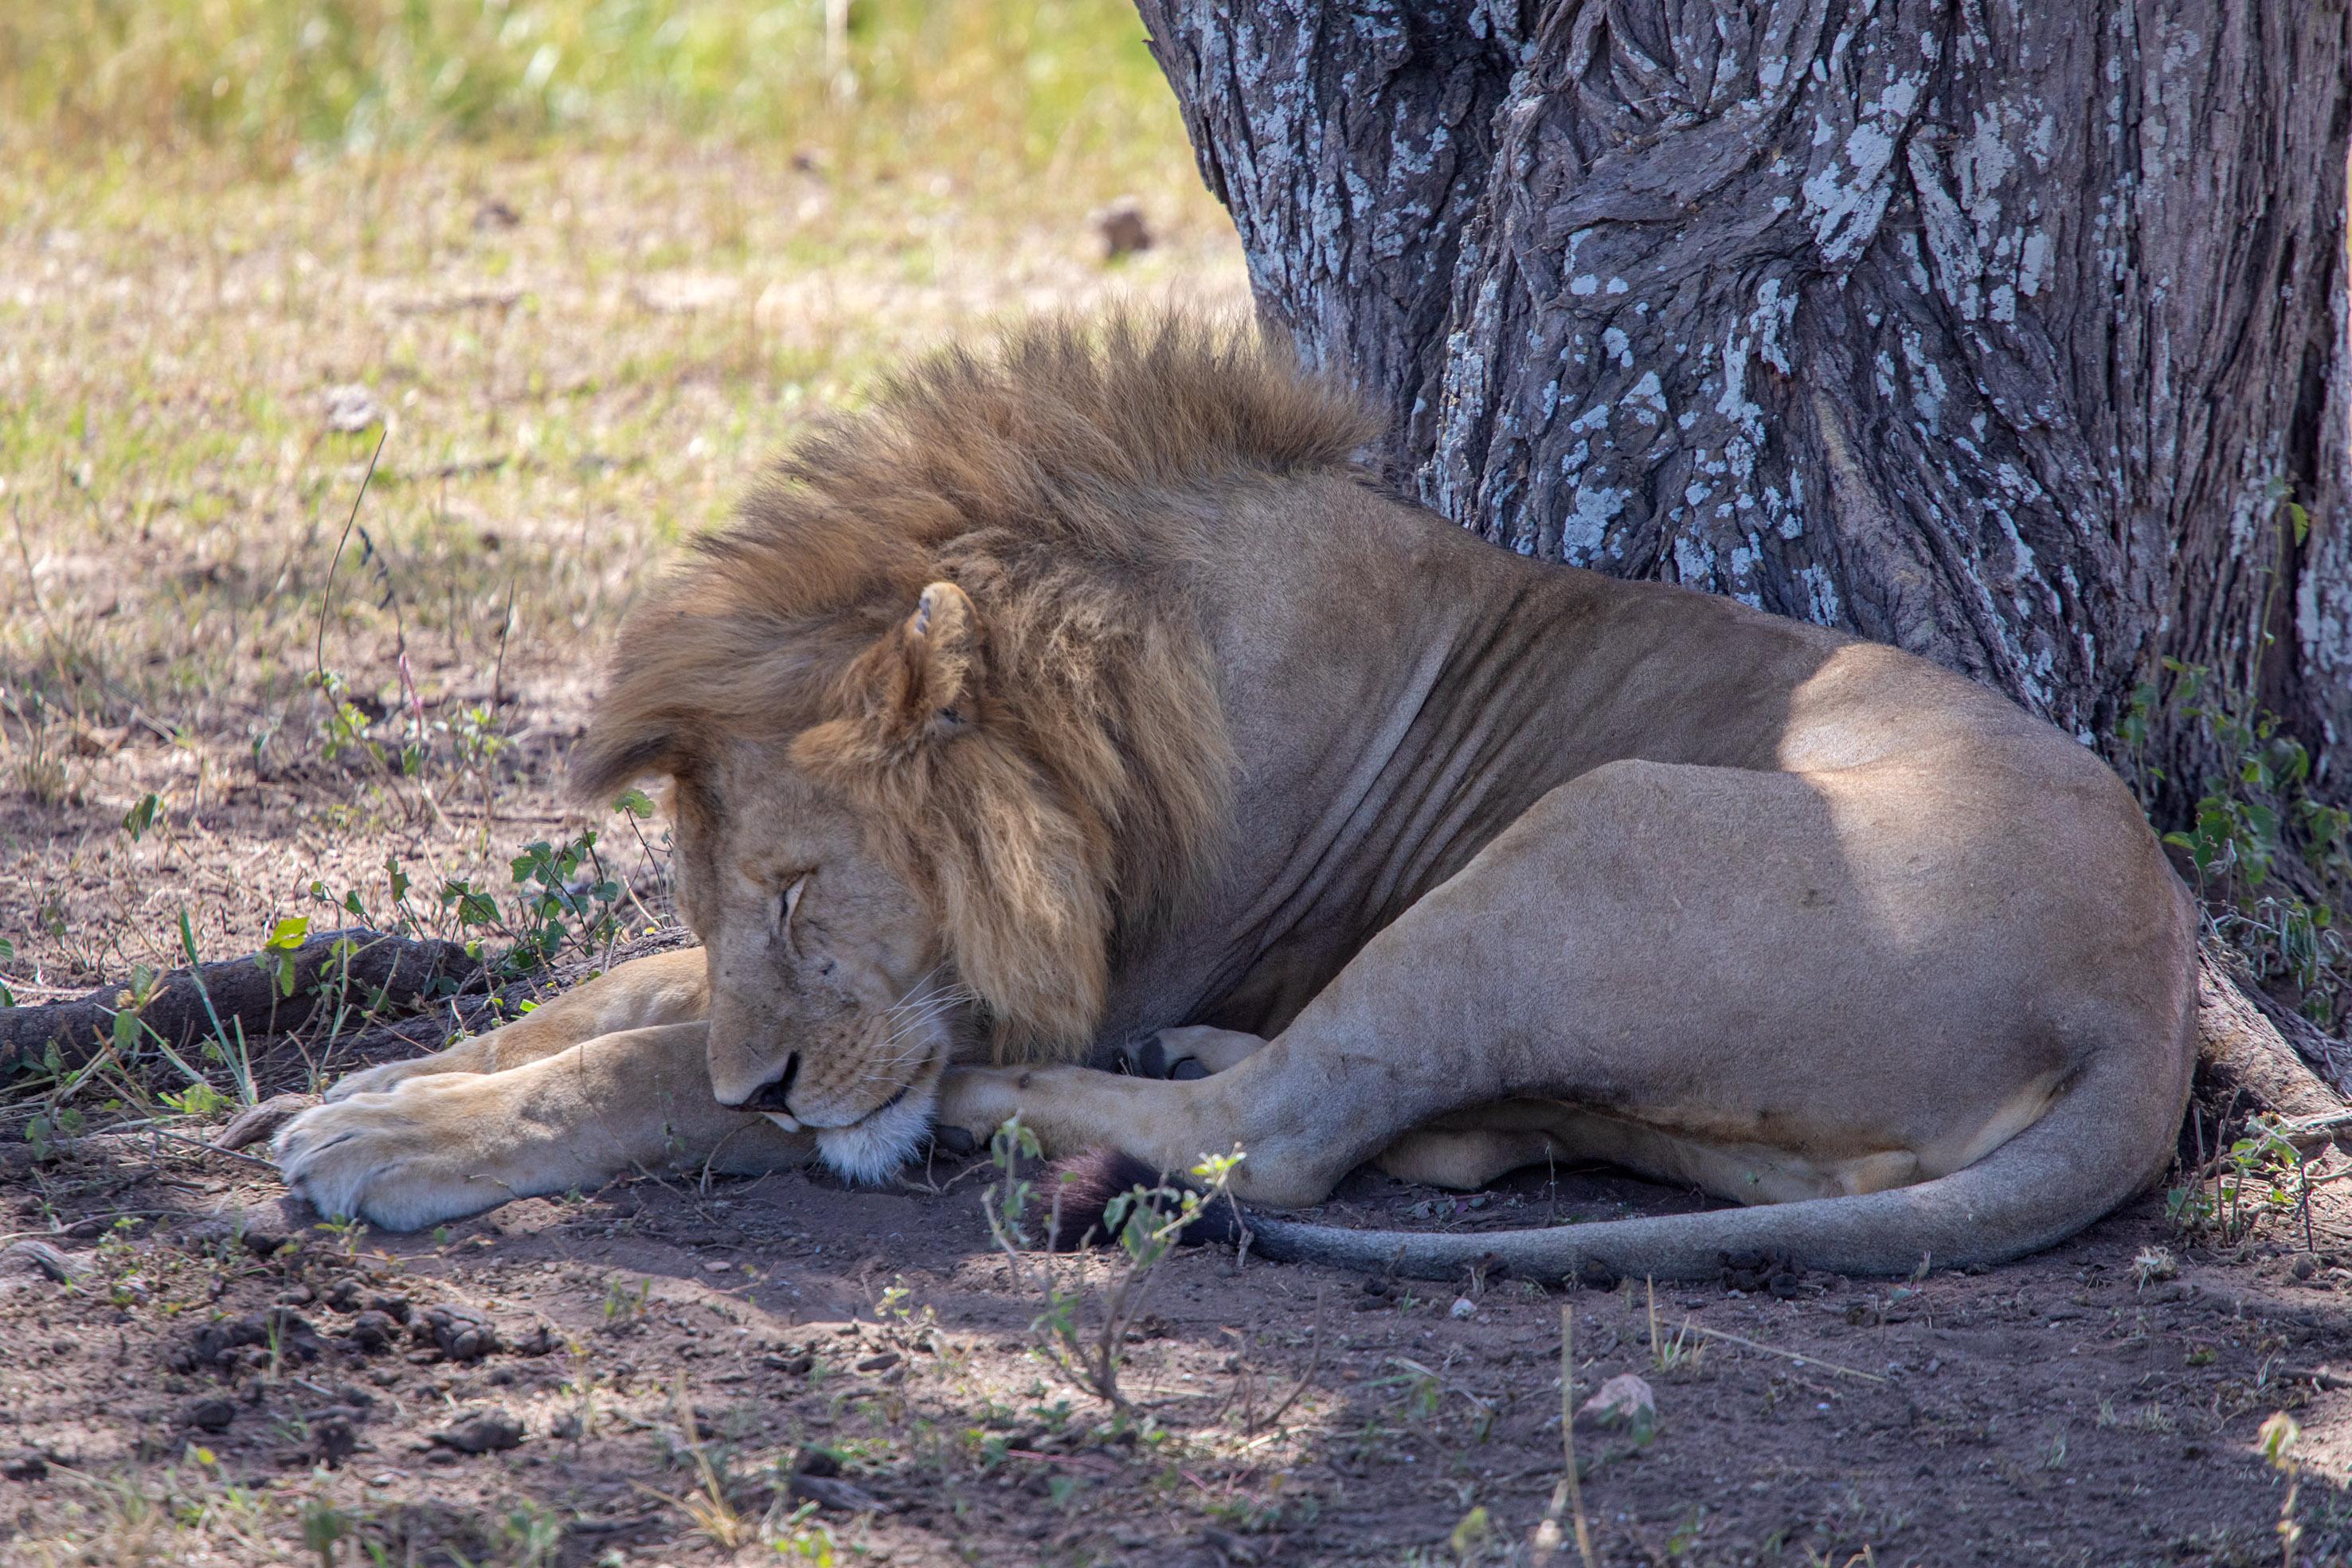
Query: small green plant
[[2260, 1175], [1677, 1352], [622, 1305], [560, 896], [44, 1130], [2272, 862], [325, 1527], [277, 956], [142, 817], [1147, 1222], [2278, 1439], [197, 1100]]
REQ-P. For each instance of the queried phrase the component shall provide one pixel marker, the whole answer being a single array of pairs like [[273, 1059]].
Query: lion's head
[[939, 713]]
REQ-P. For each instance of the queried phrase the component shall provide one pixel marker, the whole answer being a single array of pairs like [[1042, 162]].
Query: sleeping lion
[[1085, 704]]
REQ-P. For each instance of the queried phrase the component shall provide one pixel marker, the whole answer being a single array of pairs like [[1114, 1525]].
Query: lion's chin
[[874, 1150]]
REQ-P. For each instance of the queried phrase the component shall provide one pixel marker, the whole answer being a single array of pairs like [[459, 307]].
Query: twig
[[1568, 1495], [327, 598], [79, 1218], [2318, 1375], [1802, 1360], [215, 1148]]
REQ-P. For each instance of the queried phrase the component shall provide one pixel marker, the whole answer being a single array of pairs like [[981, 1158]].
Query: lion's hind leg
[[645, 993], [1466, 1159]]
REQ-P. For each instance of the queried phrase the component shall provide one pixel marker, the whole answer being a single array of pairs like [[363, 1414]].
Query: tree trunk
[[1998, 331]]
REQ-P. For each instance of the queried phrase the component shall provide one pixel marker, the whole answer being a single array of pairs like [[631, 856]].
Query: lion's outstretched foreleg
[[665, 988], [450, 1143]]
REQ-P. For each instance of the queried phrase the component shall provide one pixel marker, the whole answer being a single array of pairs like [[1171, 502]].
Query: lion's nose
[[772, 1095]]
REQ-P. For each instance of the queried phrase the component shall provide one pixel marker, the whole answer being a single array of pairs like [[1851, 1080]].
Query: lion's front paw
[[401, 1160]]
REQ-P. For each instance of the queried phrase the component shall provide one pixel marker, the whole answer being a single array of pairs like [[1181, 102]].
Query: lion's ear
[[927, 684]]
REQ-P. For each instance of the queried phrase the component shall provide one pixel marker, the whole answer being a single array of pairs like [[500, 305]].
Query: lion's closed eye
[[780, 919]]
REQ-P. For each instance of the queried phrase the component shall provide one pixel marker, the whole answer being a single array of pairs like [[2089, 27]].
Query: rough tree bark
[[1995, 330]]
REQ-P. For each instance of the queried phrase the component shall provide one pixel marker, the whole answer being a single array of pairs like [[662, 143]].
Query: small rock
[[333, 1440], [1760, 1273], [795, 1365], [457, 1333], [23, 1464], [488, 1432], [1624, 1402], [1122, 229], [394, 1307], [1464, 1307], [212, 1414], [40, 1256], [373, 1332], [882, 1363], [265, 1243], [1232, 1548], [352, 408], [842, 1497], [495, 214], [2303, 1267]]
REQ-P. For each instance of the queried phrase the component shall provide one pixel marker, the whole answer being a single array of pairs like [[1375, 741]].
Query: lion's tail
[[2106, 1138]]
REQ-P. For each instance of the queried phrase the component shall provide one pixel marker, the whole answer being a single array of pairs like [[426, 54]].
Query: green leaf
[[635, 802], [289, 933], [142, 817]]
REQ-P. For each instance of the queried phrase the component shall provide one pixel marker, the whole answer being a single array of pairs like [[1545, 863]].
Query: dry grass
[[577, 328]]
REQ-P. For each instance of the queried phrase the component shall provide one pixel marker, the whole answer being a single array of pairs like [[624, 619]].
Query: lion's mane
[[1061, 481]]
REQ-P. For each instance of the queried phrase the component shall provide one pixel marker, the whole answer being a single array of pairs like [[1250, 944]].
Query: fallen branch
[[382, 971]]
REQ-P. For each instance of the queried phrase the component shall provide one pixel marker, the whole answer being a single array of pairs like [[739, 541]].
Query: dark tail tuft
[[1078, 1191]]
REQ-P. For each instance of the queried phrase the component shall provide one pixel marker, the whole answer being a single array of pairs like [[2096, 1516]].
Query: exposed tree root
[[2268, 1059], [247, 994]]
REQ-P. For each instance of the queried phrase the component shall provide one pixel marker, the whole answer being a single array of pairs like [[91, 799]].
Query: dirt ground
[[575, 357], [782, 1368]]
